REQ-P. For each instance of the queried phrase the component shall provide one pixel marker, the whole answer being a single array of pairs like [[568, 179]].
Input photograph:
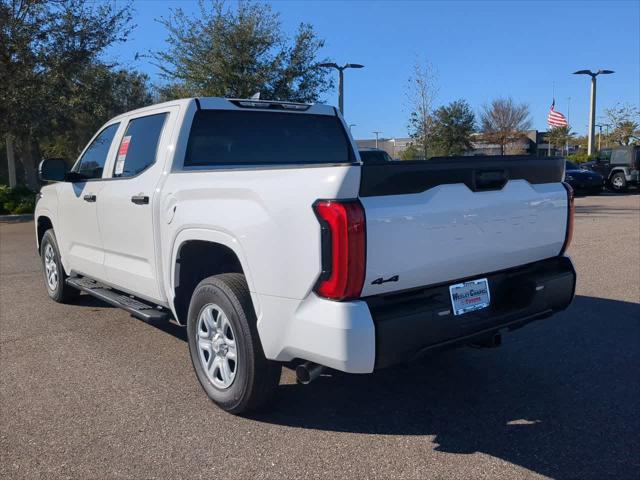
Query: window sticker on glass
[[122, 155]]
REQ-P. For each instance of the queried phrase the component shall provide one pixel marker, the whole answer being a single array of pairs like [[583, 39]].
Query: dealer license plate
[[470, 296]]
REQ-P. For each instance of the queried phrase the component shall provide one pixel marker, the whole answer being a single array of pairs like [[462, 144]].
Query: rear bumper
[[375, 332], [410, 323]]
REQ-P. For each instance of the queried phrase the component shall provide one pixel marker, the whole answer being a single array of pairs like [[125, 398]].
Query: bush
[[18, 200], [580, 157]]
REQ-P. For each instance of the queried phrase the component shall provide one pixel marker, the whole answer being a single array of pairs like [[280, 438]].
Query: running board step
[[135, 307]]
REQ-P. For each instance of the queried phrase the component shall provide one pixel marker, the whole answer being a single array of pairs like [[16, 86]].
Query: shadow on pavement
[[604, 210], [560, 398]]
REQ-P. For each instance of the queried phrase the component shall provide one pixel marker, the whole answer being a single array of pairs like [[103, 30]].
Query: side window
[[619, 157], [139, 144], [92, 162], [605, 156]]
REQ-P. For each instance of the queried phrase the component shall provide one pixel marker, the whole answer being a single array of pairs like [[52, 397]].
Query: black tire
[[60, 291], [618, 182], [256, 378]]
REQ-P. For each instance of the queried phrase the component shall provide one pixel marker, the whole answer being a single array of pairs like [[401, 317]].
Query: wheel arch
[[43, 223], [198, 254], [615, 170]]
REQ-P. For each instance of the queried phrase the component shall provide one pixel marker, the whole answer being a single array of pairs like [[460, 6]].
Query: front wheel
[[618, 182], [225, 349], [54, 275]]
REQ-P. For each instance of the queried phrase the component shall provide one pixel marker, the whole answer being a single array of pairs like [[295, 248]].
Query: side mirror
[[52, 170]]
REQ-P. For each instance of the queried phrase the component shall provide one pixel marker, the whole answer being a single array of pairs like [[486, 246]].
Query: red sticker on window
[[124, 146]]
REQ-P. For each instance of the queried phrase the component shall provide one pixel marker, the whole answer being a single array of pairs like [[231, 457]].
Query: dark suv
[[619, 166]]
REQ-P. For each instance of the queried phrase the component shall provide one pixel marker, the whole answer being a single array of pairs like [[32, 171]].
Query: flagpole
[[553, 96], [568, 123]]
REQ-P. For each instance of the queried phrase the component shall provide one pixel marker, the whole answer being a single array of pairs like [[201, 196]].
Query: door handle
[[140, 199], [89, 198]]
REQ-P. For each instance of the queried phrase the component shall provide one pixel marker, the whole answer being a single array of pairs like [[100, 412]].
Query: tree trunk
[[29, 163], [11, 161]]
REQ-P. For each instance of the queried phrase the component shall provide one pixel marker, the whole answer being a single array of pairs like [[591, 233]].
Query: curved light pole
[[592, 108], [341, 70]]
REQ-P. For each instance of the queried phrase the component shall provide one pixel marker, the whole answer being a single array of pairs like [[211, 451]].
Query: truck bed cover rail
[[477, 173]]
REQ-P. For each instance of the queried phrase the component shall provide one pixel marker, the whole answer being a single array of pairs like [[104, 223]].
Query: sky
[[479, 51]]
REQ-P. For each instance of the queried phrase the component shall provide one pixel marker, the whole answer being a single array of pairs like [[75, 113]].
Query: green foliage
[[411, 152], [56, 87], [239, 51], [18, 200], [559, 136], [581, 157], [104, 93], [452, 127]]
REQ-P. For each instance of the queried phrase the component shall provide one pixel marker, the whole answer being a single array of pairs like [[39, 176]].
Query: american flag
[[556, 119]]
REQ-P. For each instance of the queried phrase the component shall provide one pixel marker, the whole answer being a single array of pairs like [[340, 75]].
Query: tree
[[503, 122], [46, 50], [624, 120], [101, 94], [410, 153], [421, 94], [239, 51], [452, 127], [559, 136]]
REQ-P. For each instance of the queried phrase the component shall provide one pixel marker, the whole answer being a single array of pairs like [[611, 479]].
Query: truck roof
[[219, 103]]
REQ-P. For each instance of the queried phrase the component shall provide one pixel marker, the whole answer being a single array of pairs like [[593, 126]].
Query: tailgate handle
[[489, 179]]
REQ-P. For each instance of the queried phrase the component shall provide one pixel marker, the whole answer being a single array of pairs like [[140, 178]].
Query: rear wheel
[[618, 182], [225, 349], [54, 275]]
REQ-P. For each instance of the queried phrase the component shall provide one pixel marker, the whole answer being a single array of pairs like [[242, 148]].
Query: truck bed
[[445, 219]]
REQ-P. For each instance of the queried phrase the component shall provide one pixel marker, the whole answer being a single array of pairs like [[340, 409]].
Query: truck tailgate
[[465, 221]]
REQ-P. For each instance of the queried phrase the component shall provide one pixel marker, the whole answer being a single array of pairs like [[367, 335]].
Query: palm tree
[[560, 136]]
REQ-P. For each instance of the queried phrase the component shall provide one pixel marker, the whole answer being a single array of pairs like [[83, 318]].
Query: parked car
[[583, 180], [374, 155], [587, 165], [619, 166], [255, 225]]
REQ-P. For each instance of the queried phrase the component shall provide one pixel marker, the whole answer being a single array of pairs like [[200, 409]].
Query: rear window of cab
[[231, 137]]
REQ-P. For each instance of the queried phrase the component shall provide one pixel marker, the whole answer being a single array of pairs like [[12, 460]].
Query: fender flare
[[623, 170], [213, 236]]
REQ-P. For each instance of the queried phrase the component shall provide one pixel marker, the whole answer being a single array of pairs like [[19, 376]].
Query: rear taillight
[[570, 213], [343, 248]]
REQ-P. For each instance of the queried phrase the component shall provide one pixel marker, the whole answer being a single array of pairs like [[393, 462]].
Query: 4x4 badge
[[380, 281]]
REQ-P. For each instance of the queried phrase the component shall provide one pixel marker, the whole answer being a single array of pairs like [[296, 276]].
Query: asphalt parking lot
[[86, 391]]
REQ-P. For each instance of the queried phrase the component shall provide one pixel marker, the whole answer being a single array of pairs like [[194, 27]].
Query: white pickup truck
[[255, 224]]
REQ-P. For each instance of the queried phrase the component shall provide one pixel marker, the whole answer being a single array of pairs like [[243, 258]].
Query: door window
[[138, 147], [605, 156], [92, 161]]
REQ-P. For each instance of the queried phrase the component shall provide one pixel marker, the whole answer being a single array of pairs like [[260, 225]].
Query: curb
[[16, 218]]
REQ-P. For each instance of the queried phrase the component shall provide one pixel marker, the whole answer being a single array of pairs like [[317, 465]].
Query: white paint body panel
[[450, 232], [265, 215]]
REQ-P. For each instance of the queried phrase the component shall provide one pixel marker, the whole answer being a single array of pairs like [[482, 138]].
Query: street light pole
[[377, 133], [599, 137], [341, 70], [592, 105]]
